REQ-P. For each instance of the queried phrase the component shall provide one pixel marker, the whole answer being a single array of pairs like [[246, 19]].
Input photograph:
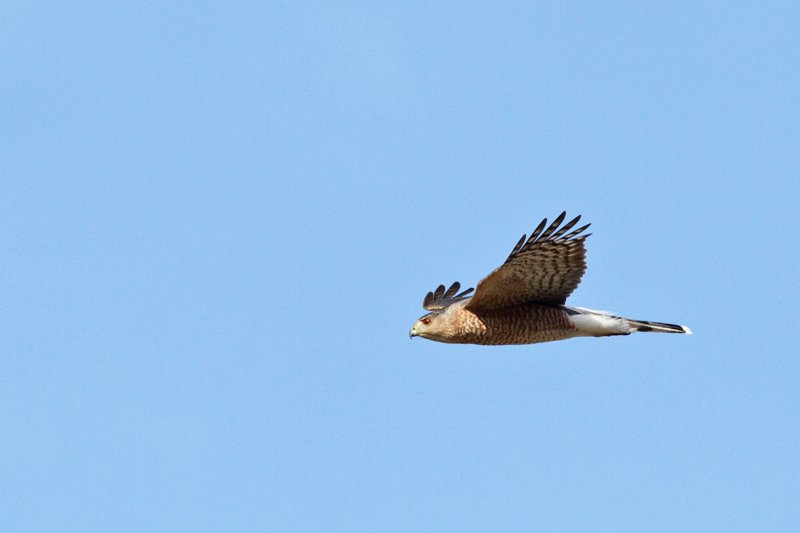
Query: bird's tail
[[602, 323], [644, 325]]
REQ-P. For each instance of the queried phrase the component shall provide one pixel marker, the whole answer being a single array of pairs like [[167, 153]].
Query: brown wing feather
[[439, 299], [545, 268]]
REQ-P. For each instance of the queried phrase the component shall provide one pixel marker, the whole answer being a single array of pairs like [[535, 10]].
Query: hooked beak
[[412, 333]]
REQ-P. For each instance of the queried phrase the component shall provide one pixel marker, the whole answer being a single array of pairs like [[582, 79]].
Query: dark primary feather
[[545, 268], [439, 299]]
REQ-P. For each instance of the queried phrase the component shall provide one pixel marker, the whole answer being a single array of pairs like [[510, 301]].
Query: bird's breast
[[521, 324]]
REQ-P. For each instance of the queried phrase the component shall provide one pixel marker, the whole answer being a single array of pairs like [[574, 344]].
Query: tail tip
[[641, 325]]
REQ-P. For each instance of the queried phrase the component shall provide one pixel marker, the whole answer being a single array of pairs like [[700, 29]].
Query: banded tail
[[644, 325], [600, 324]]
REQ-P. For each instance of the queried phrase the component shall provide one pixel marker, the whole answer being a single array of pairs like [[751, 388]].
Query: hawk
[[523, 301]]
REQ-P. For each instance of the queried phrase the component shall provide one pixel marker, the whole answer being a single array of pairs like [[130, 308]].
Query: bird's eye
[[426, 321]]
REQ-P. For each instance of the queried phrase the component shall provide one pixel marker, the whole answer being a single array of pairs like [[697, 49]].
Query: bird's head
[[431, 326]]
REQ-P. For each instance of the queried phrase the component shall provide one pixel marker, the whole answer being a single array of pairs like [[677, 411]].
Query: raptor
[[524, 300]]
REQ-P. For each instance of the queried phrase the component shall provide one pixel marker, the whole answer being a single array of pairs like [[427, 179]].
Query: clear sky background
[[219, 222]]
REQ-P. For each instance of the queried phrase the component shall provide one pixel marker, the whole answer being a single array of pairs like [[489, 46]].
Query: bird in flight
[[523, 300]]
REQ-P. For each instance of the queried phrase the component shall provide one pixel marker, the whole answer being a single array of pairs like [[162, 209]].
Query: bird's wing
[[440, 298], [544, 268]]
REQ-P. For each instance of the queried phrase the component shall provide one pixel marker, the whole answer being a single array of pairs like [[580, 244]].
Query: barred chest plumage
[[521, 324]]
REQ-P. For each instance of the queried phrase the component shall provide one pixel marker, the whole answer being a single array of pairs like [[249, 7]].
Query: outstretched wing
[[439, 299], [545, 268]]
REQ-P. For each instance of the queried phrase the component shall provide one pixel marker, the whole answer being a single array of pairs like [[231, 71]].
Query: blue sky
[[219, 222]]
